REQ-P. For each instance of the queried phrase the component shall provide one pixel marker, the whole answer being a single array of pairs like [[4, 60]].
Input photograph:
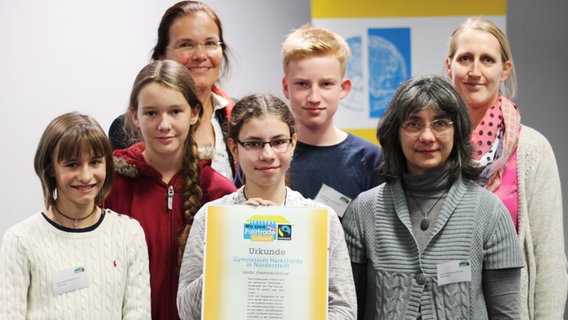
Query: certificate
[[265, 263]]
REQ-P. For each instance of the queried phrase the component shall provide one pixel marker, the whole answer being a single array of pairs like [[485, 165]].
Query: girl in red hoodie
[[160, 180]]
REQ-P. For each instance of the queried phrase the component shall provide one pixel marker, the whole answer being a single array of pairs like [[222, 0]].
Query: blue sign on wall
[[389, 65]]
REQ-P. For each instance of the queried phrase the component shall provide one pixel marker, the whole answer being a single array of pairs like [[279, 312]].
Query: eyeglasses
[[188, 47], [438, 126], [277, 145]]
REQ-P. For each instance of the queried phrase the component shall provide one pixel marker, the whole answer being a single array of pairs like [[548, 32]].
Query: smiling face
[[204, 64], [263, 168], [476, 69], [78, 181], [164, 118], [314, 86], [426, 150]]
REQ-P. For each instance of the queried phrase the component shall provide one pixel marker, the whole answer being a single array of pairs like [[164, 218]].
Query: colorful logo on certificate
[[265, 228], [284, 232]]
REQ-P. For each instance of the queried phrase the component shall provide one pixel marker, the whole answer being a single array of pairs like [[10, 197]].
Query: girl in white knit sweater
[[74, 260]]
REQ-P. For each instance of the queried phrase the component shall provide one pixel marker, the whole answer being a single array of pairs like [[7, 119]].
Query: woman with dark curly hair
[[429, 243]]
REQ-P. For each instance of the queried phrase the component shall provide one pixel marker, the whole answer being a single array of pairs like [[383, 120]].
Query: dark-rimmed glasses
[[277, 145]]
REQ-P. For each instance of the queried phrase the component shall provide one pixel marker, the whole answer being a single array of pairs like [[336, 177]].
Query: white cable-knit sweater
[[113, 253]]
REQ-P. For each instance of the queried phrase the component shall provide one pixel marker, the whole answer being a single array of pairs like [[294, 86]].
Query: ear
[[195, 114], [233, 147], [285, 88], [507, 67], [134, 116], [294, 142], [449, 67], [346, 86]]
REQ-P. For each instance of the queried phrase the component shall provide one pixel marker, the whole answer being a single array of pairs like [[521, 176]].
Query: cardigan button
[[420, 279]]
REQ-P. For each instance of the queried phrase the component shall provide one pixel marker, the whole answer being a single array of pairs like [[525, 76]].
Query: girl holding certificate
[[262, 137]]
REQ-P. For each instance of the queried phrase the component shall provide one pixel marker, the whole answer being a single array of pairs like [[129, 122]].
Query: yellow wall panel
[[322, 9]]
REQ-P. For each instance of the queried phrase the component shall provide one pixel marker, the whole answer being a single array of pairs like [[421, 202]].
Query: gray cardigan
[[472, 225]]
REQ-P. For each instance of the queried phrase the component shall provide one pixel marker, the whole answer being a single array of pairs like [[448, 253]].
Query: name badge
[[454, 271], [70, 279], [331, 197]]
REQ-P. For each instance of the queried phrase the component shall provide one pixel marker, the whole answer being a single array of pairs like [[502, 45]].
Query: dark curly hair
[[411, 97]]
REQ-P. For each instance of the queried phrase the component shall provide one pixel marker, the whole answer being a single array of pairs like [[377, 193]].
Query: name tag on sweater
[[331, 197], [454, 271], [70, 280]]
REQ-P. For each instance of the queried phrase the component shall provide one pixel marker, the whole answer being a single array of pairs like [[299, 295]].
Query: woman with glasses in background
[[191, 33], [262, 137], [429, 243]]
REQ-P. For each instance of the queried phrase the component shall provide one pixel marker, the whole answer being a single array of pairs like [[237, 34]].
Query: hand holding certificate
[[265, 251], [265, 263]]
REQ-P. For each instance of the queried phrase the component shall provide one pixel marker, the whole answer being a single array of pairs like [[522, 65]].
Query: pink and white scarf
[[496, 138]]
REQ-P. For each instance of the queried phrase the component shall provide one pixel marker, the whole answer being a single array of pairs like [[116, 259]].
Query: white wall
[[537, 31], [64, 55]]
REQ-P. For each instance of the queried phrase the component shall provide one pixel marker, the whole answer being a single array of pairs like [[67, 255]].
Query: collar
[[218, 101]]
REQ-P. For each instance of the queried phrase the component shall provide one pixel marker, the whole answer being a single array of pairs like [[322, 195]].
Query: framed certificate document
[[265, 263]]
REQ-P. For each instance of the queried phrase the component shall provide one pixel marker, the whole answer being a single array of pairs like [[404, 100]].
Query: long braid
[[192, 192], [176, 76]]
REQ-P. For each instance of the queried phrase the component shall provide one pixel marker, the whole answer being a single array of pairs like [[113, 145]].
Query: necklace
[[425, 223], [75, 220]]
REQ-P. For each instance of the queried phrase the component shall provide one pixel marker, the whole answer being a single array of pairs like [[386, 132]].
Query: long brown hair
[[176, 76]]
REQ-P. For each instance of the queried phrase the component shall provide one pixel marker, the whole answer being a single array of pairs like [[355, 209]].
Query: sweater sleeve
[[501, 289], [14, 277], [136, 304], [356, 249], [353, 233], [342, 301], [191, 272], [545, 244], [501, 245]]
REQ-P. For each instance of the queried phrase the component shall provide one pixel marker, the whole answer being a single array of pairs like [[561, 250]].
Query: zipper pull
[[170, 197]]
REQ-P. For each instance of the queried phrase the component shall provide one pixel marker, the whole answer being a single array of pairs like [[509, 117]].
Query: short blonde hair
[[481, 24], [309, 41]]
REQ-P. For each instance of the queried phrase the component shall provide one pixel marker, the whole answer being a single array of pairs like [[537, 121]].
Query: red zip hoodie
[[138, 191]]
